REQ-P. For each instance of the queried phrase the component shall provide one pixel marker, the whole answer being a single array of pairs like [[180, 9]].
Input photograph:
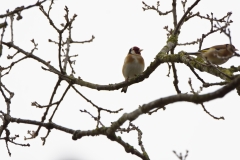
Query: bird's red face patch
[[136, 50]]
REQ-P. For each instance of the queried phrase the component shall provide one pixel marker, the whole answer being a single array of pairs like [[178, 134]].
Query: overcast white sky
[[117, 26]]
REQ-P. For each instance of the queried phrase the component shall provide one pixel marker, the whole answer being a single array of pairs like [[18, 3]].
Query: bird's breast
[[133, 65]]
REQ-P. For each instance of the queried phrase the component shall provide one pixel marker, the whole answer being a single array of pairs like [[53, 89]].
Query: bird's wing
[[217, 47]]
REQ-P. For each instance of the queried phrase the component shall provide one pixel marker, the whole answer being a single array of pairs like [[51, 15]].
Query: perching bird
[[218, 54], [133, 65]]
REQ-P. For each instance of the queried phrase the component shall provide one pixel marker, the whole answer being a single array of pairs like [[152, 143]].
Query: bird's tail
[[124, 89], [193, 53]]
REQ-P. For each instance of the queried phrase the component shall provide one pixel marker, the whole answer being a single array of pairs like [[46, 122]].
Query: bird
[[217, 55], [133, 65]]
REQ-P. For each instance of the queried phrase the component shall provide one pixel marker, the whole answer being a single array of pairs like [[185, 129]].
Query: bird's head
[[135, 50], [231, 48]]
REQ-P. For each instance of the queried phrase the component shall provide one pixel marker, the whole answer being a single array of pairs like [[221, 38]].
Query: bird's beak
[[141, 50], [236, 49]]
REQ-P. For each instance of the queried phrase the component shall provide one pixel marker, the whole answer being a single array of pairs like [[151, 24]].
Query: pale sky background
[[117, 26]]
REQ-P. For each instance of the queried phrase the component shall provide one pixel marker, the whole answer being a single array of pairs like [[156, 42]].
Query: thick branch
[[161, 57], [162, 102], [159, 103]]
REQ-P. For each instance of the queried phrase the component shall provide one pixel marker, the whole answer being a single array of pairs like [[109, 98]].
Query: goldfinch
[[133, 65], [218, 54]]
